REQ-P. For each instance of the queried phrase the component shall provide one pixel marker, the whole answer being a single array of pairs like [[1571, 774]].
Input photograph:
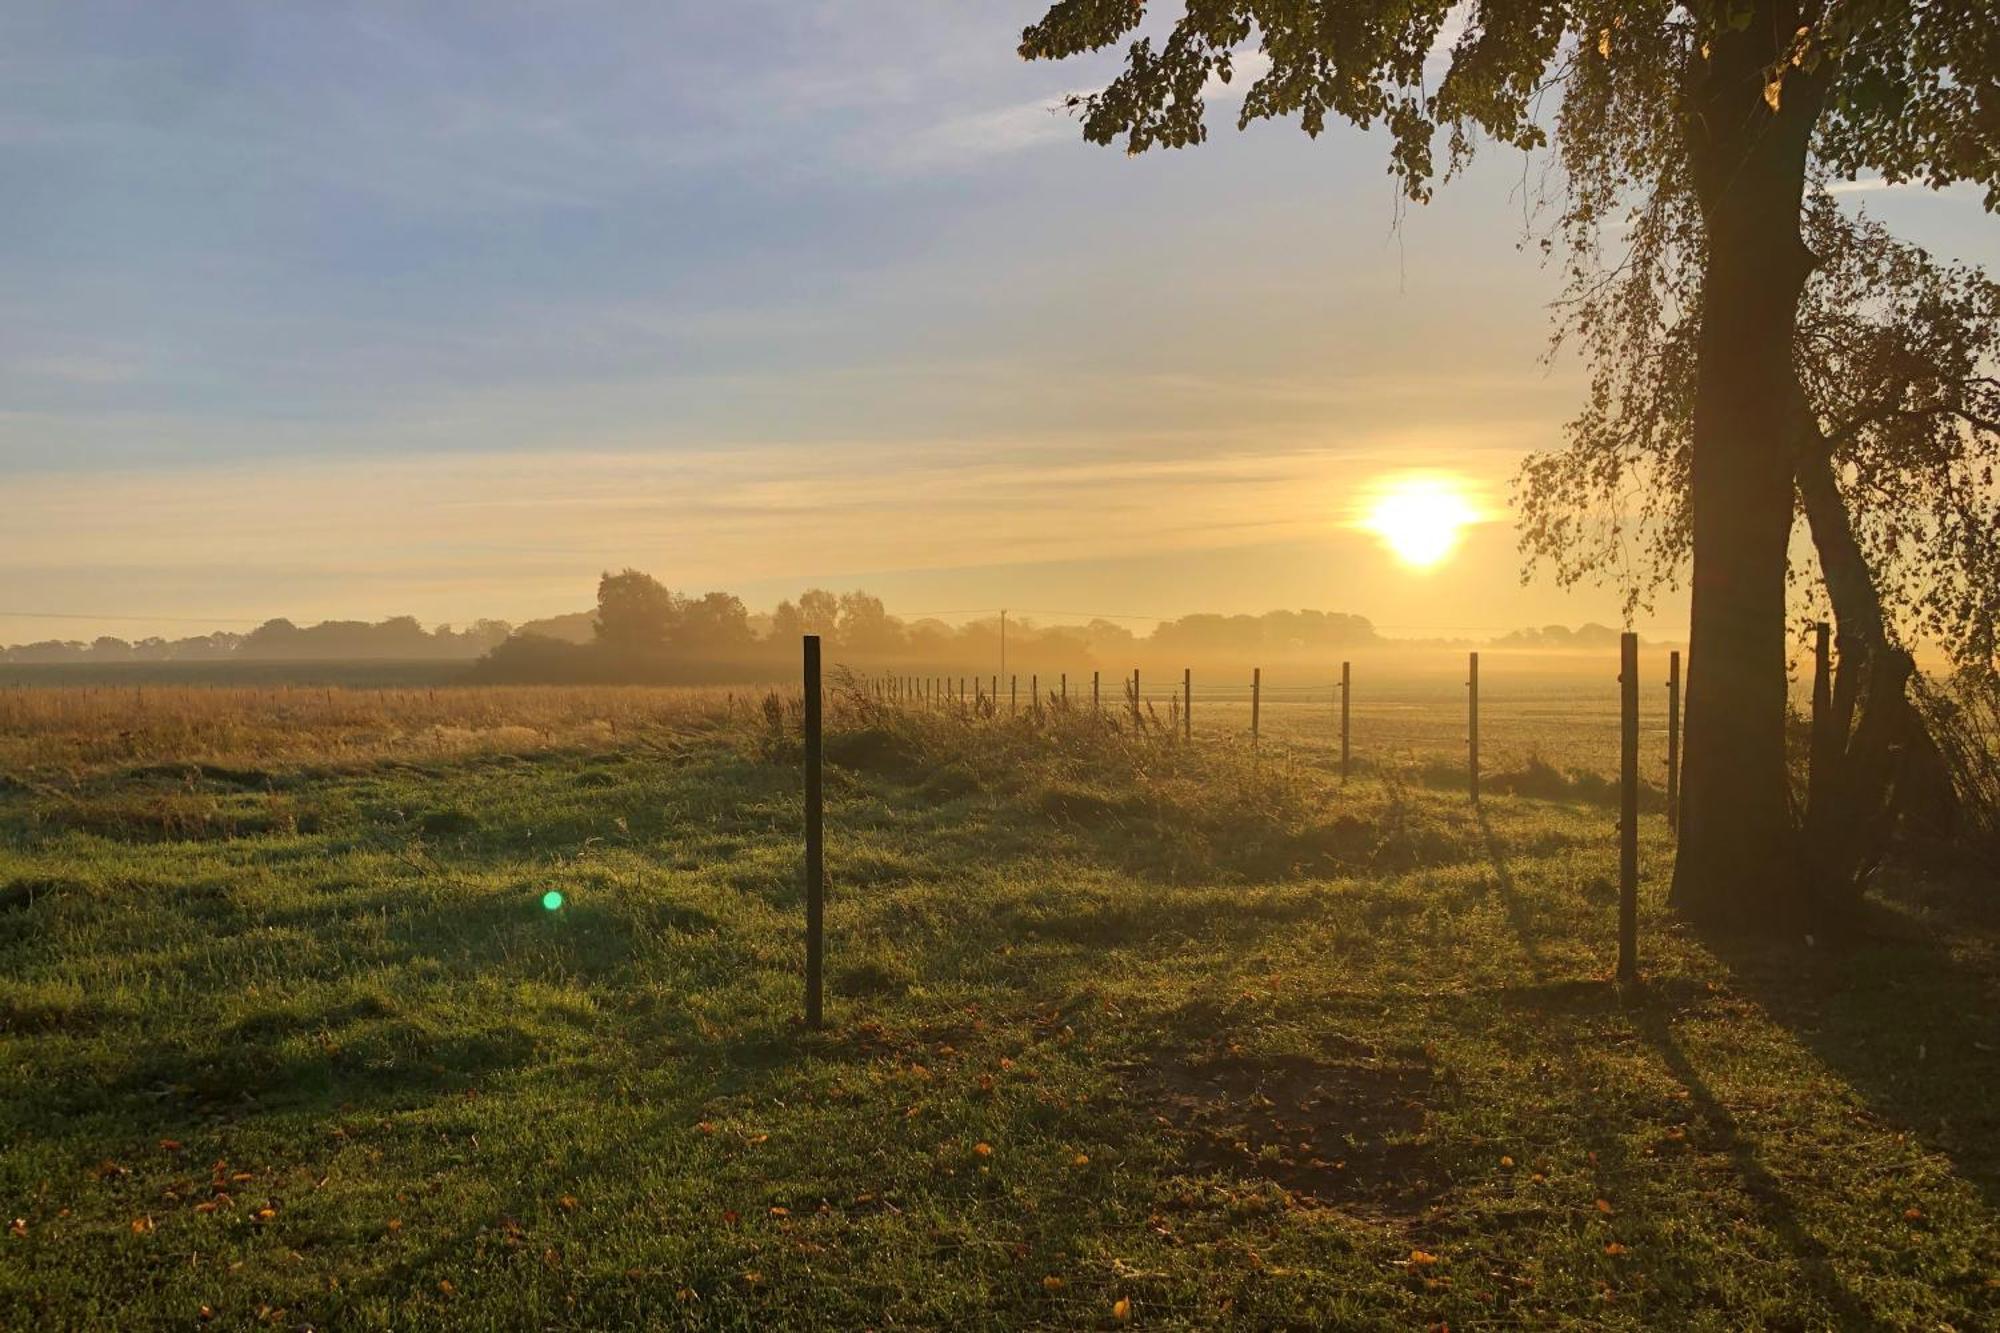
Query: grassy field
[[1122, 1032]]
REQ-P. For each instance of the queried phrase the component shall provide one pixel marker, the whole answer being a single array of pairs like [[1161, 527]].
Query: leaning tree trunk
[[1873, 756], [1737, 867]]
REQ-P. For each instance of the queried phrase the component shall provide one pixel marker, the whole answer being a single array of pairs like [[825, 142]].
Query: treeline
[[400, 638], [643, 631]]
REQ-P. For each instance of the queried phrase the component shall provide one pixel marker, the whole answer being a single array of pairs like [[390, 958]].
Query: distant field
[[1123, 1031], [275, 674]]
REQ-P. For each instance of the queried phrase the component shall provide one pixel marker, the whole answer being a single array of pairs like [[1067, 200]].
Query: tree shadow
[[1774, 1206], [1907, 1017]]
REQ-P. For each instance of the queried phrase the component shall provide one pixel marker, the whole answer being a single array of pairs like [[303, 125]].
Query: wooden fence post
[[1472, 722], [1256, 700], [1136, 719], [815, 837], [1035, 693], [1187, 703], [1065, 689], [1674, 739], [1096, 703], [1628, 807], [1819, 764], [1345, 680], [1013, 695]]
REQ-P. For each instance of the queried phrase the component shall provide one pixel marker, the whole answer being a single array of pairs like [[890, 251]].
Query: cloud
[[528, 530]]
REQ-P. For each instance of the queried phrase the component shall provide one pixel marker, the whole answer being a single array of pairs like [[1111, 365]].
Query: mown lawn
[[1119, 1031]]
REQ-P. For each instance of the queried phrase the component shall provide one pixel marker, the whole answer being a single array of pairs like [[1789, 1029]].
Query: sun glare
[[1421, 517]]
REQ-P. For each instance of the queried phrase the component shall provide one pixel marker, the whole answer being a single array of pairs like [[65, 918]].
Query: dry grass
[[70, 729]]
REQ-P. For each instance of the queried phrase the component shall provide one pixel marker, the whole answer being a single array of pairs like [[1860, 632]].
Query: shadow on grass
[[1910, 1022], [1774, 1206], [1510, 894]]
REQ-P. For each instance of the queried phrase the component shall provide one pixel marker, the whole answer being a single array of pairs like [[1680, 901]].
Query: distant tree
[[1725, 102], [865, 625], [274, 638], [714, 624], [636, 615], [819, 612]]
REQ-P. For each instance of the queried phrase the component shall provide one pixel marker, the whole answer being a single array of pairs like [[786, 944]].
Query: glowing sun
[[1421, 517]]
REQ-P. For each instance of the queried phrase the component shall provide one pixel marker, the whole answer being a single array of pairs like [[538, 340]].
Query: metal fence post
[[1472, 722], [1628, 807], [1674, 739], [815, 837]]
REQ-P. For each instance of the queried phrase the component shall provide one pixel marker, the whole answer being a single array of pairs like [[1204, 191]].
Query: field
[[1122, 1030]]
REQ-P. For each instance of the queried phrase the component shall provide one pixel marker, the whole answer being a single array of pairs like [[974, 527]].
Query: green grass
[[1111, 1020]]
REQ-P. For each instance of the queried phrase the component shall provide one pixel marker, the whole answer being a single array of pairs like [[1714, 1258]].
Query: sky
[[355, 310]]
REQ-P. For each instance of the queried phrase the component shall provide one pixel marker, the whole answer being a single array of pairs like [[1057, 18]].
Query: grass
[[288, 1037]]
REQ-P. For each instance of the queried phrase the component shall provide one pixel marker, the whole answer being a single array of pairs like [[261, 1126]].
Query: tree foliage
[[1911, 91], [1896, 354]]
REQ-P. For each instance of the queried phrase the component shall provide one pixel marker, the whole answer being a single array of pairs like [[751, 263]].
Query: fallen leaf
[[1081, 1159], [141, 1225], [18, 1227], [1604, 1205], [1506, 1164], [779, 1211], [1121, 1309], [1614, 1248], [170, 1145], [1422, 1258], [1052, 1283], [983, 1149], [445, 1287]]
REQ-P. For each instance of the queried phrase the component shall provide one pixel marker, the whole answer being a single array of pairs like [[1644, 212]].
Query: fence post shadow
[[1510, 894], [1766, 1192]]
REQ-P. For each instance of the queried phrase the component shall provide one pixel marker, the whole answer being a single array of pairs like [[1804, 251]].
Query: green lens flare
[[552, 900]]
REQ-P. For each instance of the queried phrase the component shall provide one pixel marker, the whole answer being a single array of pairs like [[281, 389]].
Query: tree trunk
[[1878, 760], [1738, 863]]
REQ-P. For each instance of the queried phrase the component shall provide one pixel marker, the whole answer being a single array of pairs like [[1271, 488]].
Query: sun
[[1421, 516]]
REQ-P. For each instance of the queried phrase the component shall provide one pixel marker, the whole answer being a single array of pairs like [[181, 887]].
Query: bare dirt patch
[[1346, 1130]]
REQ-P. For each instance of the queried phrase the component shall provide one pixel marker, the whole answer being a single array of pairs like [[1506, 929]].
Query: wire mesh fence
[[1406, 714]]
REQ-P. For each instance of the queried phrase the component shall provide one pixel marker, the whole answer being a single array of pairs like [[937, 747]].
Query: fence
[[1541, 717]]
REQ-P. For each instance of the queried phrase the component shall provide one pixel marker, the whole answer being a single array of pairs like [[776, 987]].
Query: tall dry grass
[[1963, 714], [80, 728]]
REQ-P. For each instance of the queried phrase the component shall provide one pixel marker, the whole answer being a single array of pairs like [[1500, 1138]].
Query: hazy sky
[[363, 309]]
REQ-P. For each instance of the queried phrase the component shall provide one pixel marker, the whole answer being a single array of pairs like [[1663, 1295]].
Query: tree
[[867, 627], [819, 612], [1894, 435], [636, 615], [1723, 102], [714, 624]]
